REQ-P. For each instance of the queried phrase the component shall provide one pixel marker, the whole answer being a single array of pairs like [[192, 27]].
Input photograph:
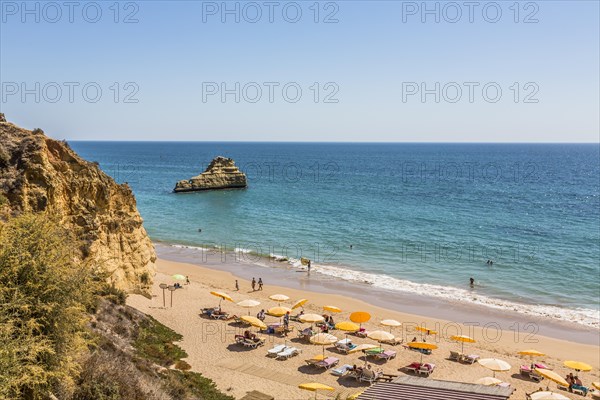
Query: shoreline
[[416, 305], [212, 352]]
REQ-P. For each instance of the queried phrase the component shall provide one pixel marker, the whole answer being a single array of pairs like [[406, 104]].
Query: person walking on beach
[[237, 286], [253, 284], [260, 283], [308, 266], [286, 322], [187, 280]]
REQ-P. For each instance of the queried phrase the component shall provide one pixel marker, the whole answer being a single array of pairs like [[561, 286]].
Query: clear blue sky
[[376, 56]]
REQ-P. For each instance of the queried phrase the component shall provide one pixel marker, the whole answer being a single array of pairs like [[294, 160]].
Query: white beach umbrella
[[248, 304], [547, 396], [494, 364]]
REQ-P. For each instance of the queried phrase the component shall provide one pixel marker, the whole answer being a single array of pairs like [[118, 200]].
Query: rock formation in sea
[[40, 174], [220, 174]]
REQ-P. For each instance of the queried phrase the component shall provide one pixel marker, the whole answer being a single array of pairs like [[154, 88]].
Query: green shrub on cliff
[[44, 296]]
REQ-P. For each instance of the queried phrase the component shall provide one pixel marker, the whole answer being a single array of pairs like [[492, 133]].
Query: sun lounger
[[221, 315], [503, 384], [369, 376], [305, 334], [562, 387], [314, 360], [239, 339], [393, 342], [386, 355], [254, 343], [362, 332], [342, 371], [373, 352], [525, 370], [540, 366], [276, 350], [578, 389], [414, 367], [344, 348], [327, 363], [455, 356], [534, 376], [426, 369], [288, 352], [470, 359]]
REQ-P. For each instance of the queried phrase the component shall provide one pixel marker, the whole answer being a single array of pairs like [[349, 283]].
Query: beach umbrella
[[278, 311], [362, 347], [299, 303], [551, 376], [347, 326], [462, 339], [425, 330], [178, 277], [359, 317], [547, 396], [255, 322], [315, 387], [392, 323], [248, 304], [531, 353], [311, 318], [380, 336], [332, 309], [494, 364], [488, 381], [578, 366], [222, 296], [279, 297], [422, 346], [323, 339]]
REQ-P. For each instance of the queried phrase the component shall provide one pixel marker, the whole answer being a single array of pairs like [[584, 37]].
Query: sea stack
[[220, 174]]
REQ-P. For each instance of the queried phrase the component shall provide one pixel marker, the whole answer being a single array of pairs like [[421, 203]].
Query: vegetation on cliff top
[[65, 333]]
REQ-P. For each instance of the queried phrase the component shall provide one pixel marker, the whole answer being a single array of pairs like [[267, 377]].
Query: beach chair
[[276, 350], [595, 394], [373, 352], [305, 333], [370, 376], [288, 352], [342, 371], [386, 355], [393, 342], [220, 316], [562, 387], [504, 384], [344, 348], [314, 360], [540, 366], [239, 339], [362, 333], [525, 370], [470, 359], [578, 389], [253, 343], [426, 369], [534, 376], [455, 356], [327, 362], [414, 367]]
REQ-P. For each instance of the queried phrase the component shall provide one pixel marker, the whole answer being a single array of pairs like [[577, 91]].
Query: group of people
[[254, 283], [573, 381], [489, 262]]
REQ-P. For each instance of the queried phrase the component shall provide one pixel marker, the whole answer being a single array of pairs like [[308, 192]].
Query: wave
[[583, 316]]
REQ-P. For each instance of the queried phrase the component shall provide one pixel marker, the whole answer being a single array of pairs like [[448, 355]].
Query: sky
[[352, 71]]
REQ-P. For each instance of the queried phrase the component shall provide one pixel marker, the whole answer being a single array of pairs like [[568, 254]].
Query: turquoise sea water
[[421, 218]]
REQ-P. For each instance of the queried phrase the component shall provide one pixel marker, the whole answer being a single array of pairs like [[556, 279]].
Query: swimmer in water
[[472, 282], [350, 247]]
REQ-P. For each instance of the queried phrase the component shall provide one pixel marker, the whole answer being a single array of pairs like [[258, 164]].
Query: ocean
[[413, 218]]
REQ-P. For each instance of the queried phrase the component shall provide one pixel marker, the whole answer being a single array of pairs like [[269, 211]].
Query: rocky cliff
[[40, 174], [220, 174]]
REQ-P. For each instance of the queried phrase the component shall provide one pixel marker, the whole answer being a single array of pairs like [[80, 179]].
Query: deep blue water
[[419, 217]]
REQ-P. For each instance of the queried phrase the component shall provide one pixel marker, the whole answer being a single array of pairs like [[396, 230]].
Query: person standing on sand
[[187, 280], [253, 284], [237, 285], [308, 266], [260, 283]]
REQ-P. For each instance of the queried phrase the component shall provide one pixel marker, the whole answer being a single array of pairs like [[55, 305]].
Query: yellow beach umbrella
[[596, 385], [332, 309], [392, 323], [578, 366], [257, 323], [488, 381], [422, 346], [425, 330], [494, 364], [552, 376], [223, 296], [547, 396], [361, 347], [278, 311], [311, 318], [248, 304], [315, 387], [347, 326], [531, 353], [359, 317], [279, 297], [323, 339], [462, 339], [299, 303]]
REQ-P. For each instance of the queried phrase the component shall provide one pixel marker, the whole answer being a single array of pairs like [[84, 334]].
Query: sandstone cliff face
[[39, 174], [220, 174]]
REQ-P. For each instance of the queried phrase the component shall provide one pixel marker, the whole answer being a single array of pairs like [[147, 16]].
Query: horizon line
[[314, 142]]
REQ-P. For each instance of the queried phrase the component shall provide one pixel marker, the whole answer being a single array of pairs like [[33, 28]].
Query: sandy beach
[[237, 370]]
